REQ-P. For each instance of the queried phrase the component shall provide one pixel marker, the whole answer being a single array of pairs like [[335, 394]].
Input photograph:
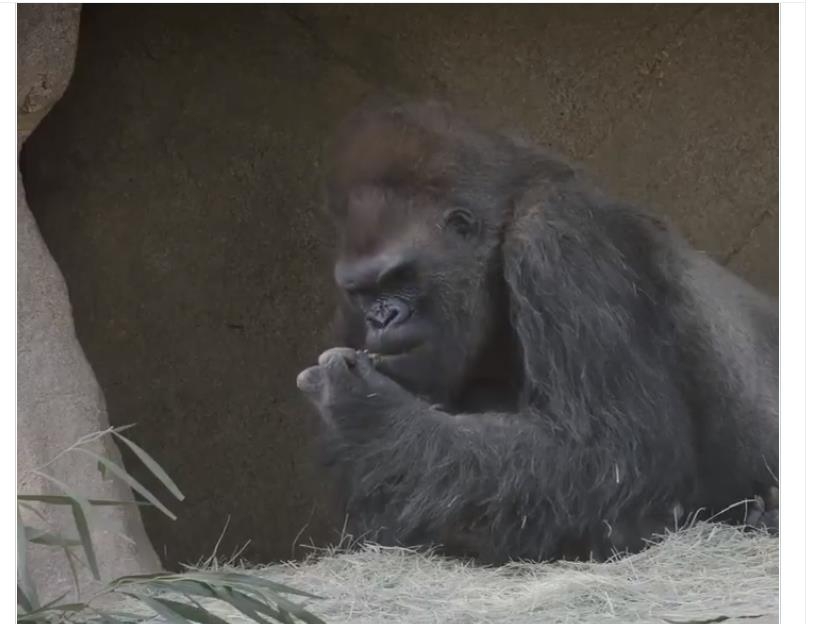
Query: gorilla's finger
[[773, 498], [366, 367], [771, 521], [365, 364], [338, 356], [309, 381], [363, 359]]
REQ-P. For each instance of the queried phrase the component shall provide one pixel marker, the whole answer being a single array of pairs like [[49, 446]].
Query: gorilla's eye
[[460, 221]]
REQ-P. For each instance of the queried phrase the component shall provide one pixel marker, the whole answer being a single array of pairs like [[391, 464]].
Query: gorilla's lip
[[395, 351], [395, 364], [398, 344]]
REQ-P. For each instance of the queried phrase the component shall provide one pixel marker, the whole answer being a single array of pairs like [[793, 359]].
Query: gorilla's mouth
[[402, 360], [398, 343], [409, 367], [391, 354]]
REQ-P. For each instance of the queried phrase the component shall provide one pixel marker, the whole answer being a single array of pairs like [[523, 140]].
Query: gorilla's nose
[[387, 312]]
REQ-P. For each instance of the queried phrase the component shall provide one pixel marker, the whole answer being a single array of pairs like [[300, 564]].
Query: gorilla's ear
[[582, 291]]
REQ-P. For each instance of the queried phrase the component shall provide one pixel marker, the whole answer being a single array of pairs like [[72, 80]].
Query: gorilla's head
[[421, 199]]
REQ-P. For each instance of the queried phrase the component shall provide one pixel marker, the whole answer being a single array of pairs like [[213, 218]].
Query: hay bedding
[[708, 573]]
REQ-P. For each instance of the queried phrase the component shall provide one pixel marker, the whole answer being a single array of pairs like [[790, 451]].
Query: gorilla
[[528, 368]]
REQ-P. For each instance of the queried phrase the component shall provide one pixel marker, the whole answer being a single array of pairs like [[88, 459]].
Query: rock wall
[[58, 399], [178, 183]]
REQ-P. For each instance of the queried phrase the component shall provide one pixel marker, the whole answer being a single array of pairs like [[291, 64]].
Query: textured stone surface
[[177, 184], [58, 399], [46, 40], [671, 107]]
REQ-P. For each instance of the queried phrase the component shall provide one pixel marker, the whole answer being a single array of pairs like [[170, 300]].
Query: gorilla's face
[[421, 273]]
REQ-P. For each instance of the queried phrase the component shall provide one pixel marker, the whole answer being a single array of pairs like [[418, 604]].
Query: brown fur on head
[[422, 146], [383, 148]]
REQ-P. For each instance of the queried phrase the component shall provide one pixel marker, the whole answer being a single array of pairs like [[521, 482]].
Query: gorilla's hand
[[764, 513], [349, 392]]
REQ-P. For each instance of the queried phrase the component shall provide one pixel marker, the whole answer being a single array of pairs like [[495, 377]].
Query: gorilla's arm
[[513, 485], [419, 474]]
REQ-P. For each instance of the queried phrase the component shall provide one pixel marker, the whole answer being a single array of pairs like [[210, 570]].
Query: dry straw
[[708, 573]]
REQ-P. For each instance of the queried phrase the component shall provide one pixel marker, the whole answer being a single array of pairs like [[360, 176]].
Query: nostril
[[381, 316], [391, 313], [385, 313]]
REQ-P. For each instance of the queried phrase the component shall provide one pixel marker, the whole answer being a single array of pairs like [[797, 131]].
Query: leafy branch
[[178, 598]]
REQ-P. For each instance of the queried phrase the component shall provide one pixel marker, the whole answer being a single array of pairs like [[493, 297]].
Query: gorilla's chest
[[486, 395]]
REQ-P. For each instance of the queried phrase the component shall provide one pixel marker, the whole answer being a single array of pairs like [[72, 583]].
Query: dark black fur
[[581, 375]]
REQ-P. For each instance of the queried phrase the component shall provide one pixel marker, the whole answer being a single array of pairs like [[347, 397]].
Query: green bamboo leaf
[[100, 616], [285, 610], [250, 579], [245, 592], [129, 480], [24, 581], [249, 590], [105, 618], [152, 466], [81, 512], [719, 618], [159, 607], [39, 536], [75, 581], [44, 613], [214, 580], [51, 499], [165, 580], [32, 509], [245, 605], [139, 578], [191, 613], [297, 610], [248, 582], [23, 600], [183, 586], [118, 617], [51, 605]]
